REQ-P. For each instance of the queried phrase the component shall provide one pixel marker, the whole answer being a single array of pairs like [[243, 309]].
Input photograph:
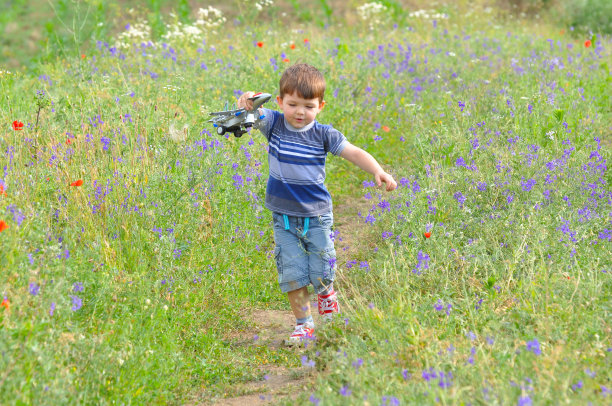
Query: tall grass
[[130, 287]]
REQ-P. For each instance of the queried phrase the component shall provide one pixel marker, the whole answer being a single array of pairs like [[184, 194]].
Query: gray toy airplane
[[238, 121]]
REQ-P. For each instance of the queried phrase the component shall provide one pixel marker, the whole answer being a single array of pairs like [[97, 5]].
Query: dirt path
[[273, 326], [280, 383]]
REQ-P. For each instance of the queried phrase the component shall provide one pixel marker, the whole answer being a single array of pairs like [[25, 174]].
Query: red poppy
[[77, 183], [82, 56], [427, 234], [17, 125], [286, 60], [68, 141], [260, 44], [385, 128], [2, 192], [292, 46], [5, 303], [306, 40], [587, 43], [3, 225]]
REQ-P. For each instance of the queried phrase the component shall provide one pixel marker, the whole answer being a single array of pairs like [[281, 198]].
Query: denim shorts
[[304, 252]]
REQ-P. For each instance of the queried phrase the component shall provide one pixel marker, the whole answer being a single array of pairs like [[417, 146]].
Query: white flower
[[178, 135]]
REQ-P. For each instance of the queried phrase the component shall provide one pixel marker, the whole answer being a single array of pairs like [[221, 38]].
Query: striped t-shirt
[[296, 158]]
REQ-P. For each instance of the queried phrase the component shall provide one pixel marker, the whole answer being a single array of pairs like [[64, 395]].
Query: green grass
[[498, 133]]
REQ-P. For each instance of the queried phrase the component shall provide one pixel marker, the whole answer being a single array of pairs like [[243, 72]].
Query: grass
[[128, 288]]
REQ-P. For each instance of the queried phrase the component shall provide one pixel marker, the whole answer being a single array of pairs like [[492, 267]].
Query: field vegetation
[[134, 241]]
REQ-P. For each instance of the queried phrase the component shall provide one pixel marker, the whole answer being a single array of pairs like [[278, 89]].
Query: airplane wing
[[227, 112]]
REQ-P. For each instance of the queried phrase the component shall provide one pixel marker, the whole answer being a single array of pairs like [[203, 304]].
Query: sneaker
[[302, 332], [328, 305]]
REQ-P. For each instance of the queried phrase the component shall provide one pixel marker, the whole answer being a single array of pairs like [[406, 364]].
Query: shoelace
[[328, 305]]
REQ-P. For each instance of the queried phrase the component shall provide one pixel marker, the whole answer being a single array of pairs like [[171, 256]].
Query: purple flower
[[528, 184], [384, 205], [525, 401], [345, 391], [387, 234], [106, 142], [332, 262], [423, 262], [577, 386], [534, 346], [77, 303], [52, 309], [606, 234], [306, 362], [34, 288], [460, 198], [78, 287]]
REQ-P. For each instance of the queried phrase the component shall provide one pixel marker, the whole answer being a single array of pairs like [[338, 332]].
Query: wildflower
[[34, 288], [385, 128], [78, 287], [3, 225], [534, 346], [345, 391], [2, 192], [260, 44], [286, 60], [5, 303], [306, 362], [427, 234], [77, 303], [77, 183], [17, 125], [314, 400], [587, 43]]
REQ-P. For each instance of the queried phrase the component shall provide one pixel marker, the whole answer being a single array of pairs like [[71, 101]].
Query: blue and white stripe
[[297, 165]]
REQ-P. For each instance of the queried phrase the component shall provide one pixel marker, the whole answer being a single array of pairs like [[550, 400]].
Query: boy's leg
[[292, 264], [300, 303], [322, 263]]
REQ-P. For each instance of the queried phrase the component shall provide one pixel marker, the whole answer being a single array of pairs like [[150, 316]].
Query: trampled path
[[274, 326]]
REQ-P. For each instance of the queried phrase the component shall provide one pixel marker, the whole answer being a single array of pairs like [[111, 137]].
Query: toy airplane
[[239, 121]]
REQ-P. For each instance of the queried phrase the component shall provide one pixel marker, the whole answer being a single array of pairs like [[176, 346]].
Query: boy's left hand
[[387, 179]]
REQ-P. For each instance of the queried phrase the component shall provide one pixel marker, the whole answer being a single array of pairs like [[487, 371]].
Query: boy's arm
[[367, 162]]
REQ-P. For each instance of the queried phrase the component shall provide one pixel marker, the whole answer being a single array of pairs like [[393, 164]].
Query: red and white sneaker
[[328, 305], [302, 332]]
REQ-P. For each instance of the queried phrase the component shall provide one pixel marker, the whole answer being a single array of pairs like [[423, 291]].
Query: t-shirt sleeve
[[265, 124], [335, 141]]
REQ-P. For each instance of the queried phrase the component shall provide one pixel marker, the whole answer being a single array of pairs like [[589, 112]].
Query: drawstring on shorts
[[306, 224]]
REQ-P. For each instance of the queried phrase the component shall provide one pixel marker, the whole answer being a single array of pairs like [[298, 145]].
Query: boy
[[297, 196]]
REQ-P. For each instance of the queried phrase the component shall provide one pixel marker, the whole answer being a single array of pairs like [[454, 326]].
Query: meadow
[[133, 238]]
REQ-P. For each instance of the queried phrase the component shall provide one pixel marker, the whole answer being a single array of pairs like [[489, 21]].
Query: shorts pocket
[[278, 260], [329, 265]]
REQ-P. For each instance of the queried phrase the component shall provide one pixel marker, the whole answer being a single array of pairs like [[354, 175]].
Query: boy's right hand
[[244, 102]]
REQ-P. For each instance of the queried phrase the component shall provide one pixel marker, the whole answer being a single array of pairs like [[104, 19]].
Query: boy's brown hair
[[304, 79]]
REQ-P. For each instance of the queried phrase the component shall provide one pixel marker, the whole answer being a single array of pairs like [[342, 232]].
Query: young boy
[[297, 196]]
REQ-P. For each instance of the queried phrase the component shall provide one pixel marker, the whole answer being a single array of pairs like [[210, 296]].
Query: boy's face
[[299, 112]]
